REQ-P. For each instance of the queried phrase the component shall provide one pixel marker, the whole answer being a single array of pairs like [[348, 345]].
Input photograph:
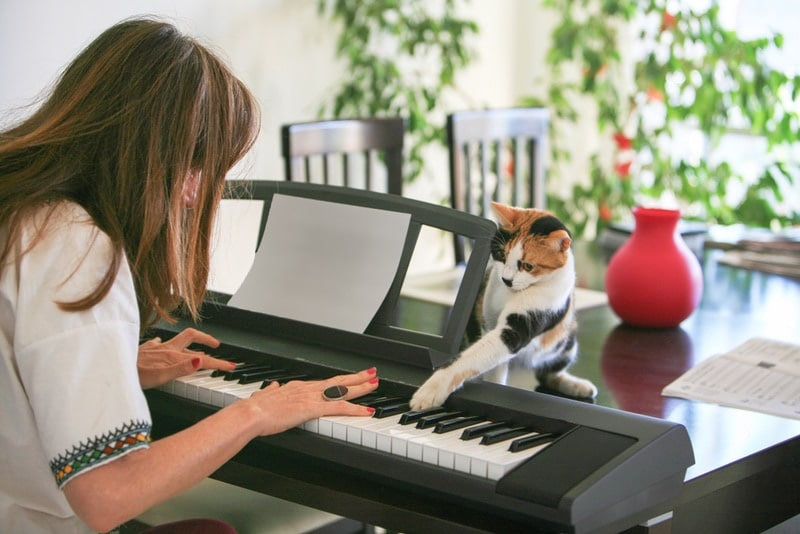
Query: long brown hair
[[137, 113]]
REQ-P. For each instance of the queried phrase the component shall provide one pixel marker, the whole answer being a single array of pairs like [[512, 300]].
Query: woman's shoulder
[[62, 212], [58, 218], [66, 228]]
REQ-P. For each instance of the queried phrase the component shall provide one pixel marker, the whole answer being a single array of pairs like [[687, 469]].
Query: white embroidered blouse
[[69, 389]]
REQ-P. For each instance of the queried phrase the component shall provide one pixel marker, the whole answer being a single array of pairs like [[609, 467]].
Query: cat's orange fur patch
[[549, 251], [460, 378], [557, 333]]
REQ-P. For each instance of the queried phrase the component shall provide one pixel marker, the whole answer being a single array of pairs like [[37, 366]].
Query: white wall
[[280, 48]]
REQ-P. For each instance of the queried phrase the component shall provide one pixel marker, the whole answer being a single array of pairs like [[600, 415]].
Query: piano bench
[[249, 512]]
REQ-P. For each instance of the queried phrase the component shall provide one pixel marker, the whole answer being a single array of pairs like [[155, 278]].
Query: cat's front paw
[[572, 386], [430, 394]]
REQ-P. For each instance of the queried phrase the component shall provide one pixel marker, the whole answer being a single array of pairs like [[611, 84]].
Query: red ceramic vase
[[654, 280]]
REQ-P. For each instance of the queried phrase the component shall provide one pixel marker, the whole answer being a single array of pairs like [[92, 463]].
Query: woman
[[108, 194]]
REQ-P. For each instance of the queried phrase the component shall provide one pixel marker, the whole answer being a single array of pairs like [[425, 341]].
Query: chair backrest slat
[[369, 138], [497, 154]]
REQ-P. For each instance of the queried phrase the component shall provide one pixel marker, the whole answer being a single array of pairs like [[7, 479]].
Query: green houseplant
[[690, 73], [401, 56], [684, 73]]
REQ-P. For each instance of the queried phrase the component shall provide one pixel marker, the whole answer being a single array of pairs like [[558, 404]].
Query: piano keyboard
[[452, 440]]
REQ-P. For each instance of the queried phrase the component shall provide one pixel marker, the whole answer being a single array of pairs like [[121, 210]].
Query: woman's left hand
[[162, 361]]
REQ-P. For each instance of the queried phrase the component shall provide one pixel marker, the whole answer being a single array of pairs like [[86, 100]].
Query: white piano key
[[375, 435], [225, 395], [503, 461], [178, 386], [432, 444], [209, 391], [242, 392], [196, 389]]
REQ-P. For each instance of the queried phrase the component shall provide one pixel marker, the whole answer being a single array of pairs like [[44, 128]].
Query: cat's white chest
[[494, 301]]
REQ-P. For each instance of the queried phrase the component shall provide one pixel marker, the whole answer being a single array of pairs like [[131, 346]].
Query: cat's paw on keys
[[429, 395]]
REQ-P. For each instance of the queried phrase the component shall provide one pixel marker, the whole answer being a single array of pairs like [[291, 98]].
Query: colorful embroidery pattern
[[132, 435]]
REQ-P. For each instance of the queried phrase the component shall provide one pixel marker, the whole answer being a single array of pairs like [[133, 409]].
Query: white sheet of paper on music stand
[[325, 263]]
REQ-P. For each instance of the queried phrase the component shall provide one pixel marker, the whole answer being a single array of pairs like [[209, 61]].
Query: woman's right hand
[[286, 406]]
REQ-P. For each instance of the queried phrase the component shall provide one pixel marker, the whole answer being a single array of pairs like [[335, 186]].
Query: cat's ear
[[559, 240], [506, 215]]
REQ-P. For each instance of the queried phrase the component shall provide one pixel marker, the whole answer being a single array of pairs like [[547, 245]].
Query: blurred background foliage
[[668, 82], [662, 82]]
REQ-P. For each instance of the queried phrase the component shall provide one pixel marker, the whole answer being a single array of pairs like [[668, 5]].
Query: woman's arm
[[110, 494]]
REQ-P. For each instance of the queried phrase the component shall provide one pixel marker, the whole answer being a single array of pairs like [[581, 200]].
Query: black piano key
[[390, 409], [255, 375], [527, 442], [457, 423], [369, 397], [291, 376], [412, 417], [237, 373], [480, 430], [379, 401], [431, 420], [502, 434], [226, 357]]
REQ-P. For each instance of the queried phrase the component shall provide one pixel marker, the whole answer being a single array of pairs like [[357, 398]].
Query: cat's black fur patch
[[497, 246], [546, 225], [522, 328]]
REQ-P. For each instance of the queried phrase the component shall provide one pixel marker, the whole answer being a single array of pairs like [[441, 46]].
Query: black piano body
[[606, 471]]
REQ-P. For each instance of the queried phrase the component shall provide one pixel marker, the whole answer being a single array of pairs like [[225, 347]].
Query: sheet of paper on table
[[762, 375], [325, 263]]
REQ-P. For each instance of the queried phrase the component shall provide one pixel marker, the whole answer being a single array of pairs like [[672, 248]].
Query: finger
[[191, 335], [343, 407], [367, 383], [353, 379], [210, 362], [359, 390]]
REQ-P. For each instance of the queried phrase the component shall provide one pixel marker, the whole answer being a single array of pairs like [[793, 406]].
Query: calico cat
[[526, 310]]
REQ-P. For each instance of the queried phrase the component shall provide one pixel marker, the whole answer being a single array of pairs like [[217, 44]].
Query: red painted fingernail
[[373, 380], [371, 410], [196, 362], [232, 365], [372, 370]]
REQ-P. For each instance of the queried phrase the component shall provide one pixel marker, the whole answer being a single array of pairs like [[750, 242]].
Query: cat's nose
[[508, 281]]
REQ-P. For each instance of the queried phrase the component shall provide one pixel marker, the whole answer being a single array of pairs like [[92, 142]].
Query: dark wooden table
[[747, 472]]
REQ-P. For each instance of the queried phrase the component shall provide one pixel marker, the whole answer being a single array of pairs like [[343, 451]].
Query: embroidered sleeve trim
[[100, 449]]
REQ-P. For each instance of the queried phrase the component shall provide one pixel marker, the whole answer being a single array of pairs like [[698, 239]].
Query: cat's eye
[[525, 266]]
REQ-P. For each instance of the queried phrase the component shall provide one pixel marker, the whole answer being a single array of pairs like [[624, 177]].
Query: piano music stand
[[382, 338]]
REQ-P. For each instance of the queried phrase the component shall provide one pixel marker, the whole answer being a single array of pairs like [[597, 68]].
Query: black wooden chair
[[496, 155], [361, 153]]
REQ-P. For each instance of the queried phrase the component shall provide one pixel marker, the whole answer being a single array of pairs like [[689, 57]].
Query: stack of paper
[[760, 375]]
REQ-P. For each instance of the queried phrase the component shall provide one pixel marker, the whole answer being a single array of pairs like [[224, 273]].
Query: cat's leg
[[498, 375], [554, 375], [569, 385], [486, 353]]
